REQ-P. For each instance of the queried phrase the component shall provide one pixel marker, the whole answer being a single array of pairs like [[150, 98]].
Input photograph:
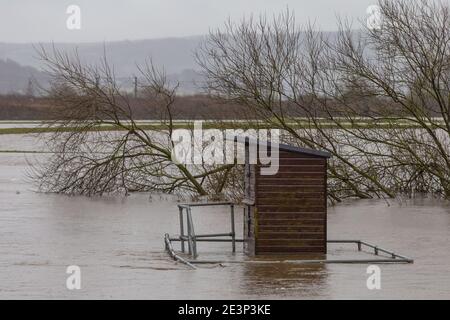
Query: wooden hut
[[286, 213]]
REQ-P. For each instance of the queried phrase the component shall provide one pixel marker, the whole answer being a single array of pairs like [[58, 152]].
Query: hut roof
[[283, 147]]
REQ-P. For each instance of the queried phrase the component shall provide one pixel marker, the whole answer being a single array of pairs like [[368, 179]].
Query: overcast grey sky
[[108, 20]]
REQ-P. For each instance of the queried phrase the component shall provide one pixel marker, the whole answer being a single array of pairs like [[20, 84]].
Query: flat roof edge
[[281, 146]]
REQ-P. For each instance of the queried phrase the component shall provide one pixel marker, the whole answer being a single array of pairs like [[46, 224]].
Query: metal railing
[[376, 250], [173, 254], [189, 236], [393, 257]]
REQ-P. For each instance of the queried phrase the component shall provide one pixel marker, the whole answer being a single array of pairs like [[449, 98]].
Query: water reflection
[[284, 279]]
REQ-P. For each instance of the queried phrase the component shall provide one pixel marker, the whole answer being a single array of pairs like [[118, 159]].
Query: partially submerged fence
[[188, 235]]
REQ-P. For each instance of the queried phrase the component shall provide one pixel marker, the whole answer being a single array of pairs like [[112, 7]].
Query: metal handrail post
[[192, 233], [189, 236], [233, 233], [181, 228]]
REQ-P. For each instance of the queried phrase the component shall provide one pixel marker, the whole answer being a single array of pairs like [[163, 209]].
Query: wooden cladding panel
[[298, 168], [291, 228], [290, 235], [291, 206], [296, 162], [289, 188], [293, 222], [295, 207], [289, 242], [280, 182], [289, 249], [291, 215]]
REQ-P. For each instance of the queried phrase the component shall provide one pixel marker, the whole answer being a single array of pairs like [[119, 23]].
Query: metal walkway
[[188, 236]]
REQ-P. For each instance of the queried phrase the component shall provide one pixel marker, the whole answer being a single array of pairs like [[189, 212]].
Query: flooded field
[[118, 244]]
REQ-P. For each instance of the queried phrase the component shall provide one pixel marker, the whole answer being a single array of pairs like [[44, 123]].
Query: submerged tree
[[377, 99], [98, 146], [404, 64]]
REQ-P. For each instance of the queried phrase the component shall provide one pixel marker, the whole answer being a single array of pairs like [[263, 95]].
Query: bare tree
[[98, 147], [405, 66], [378, 100]]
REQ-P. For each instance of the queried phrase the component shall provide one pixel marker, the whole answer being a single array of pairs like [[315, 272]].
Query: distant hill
[[15, 78], [174, 54]]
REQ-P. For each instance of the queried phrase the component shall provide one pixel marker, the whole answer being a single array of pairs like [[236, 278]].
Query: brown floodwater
[[118, 244]]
